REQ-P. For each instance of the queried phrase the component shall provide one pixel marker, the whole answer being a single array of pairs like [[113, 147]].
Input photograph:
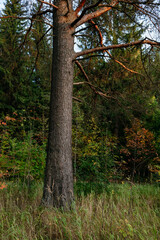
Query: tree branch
[[90, 56], [77, 99], [33, 18], [82, 29], [99, 32], [84, 11], [79, 83], [149, 14], [43, 35], [140, 2], [94, 88], [48, 3], [101, 43], [69, 5], [121, 64], [124, 45], [80, 6], [84, 18]]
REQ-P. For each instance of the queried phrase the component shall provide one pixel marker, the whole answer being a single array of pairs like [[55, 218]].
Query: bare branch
[[84, 18], [77, 99], [115, 60], [84, 11], [124, 45], [120, 63], [145, 70], [69, 5], [99, 32], [48, 3], [82, 29], [43, 35], [151, 16], [90, 56], [40, 13], [80, 6], [140, 2], [94, 88], [82, 70], [79, 83]]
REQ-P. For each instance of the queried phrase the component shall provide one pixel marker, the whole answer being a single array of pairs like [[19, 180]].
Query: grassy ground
[[124, 212]]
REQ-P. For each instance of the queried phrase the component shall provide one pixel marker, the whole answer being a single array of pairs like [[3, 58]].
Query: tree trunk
[[58, 184]]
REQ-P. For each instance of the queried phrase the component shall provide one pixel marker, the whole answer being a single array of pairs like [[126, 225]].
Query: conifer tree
[[40, 52], [12, 58]]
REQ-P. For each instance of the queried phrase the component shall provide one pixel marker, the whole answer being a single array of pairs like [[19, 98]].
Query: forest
[[80, 119]]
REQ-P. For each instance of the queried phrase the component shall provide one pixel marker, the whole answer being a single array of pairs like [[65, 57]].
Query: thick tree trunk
[[58, 184]]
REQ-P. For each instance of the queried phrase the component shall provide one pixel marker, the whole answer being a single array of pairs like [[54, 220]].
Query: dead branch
[[150, 15], [43, 35], [79, 83], [39, 13], [97, 90], [82, 70], [69, 6], [82, 29], [124, 45], [47, 3], [99, 31], [82, 3], [84, 18], [77, 99], [115, 60], [90, 56], [121, 64]]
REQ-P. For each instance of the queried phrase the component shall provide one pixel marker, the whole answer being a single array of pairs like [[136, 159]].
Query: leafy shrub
[[22, 158], [22, 153], [139, 155]]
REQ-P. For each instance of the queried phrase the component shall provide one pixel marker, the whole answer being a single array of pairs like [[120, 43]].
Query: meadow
[[123, 211]]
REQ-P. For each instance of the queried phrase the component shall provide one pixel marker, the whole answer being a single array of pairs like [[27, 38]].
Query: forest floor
[[123, 212]]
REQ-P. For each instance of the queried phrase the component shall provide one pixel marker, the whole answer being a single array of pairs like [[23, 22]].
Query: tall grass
[[123, 212]]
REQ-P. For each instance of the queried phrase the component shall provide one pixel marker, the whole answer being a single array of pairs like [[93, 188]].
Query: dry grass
[[124, 212]]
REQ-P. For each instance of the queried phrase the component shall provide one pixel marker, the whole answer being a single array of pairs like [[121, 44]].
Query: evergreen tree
[[40, 52], [12, 59], [25, 76]]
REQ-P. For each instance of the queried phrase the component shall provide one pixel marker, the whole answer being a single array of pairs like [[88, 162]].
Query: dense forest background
[[116, 108]]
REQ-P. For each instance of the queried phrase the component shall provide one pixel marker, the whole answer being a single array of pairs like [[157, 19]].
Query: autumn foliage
[[139, 156]]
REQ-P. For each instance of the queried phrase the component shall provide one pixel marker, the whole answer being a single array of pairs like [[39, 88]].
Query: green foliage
[[94, 155], [25, 76], [24, 97], [21, 154], [22, 158], [12, 59]]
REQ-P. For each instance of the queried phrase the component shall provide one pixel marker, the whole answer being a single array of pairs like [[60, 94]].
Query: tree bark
[[58, 184]]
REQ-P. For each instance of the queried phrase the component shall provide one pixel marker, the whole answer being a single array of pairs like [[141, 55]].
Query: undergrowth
[[123, 212]]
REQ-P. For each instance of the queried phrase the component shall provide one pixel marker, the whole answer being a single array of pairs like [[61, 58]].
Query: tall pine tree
[[12, 58]]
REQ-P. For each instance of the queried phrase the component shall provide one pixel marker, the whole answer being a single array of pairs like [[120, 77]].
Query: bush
[[22, 158]]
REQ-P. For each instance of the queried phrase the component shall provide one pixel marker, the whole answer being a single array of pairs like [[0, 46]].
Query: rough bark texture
[[58, 185]]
